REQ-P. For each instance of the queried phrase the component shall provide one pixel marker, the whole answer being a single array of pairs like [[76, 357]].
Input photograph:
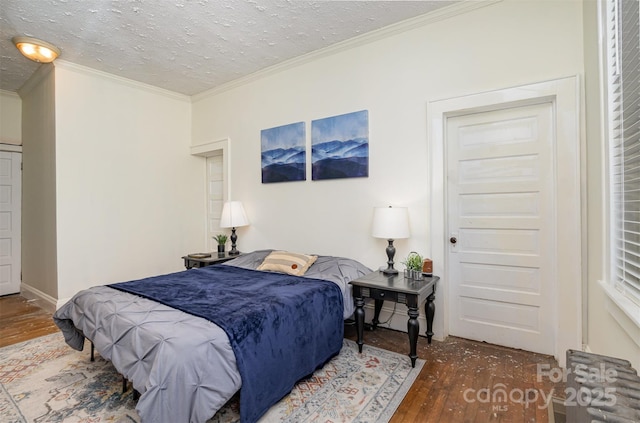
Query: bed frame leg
[[136, 394]]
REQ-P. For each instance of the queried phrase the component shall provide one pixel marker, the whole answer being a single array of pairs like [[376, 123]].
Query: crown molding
[[437, 15], [63, 64]]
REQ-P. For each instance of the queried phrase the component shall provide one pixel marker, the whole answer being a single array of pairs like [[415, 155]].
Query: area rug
[[44, 380]]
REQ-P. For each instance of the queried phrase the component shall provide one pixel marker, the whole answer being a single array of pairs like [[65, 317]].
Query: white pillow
[[286, 262]]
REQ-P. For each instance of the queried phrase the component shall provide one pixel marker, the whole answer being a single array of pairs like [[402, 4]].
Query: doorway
[[215, 197], [10, 221], [507, 239], [500, 191]]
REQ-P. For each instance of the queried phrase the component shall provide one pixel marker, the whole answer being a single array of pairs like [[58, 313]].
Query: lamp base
[[234, 251], [387, 271], [391, 251]]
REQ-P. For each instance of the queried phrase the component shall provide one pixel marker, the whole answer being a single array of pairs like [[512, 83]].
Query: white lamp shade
[[390, 223], [233, 215]]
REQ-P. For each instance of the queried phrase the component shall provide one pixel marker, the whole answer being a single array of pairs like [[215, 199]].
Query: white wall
[[10, 118], [130, 196], [39, 267], [502, 45]]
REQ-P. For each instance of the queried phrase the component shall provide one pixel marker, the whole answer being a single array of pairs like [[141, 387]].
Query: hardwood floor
[[461, 381], [22, 319]]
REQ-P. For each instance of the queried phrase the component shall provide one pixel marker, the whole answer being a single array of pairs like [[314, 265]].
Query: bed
[[271, 329]]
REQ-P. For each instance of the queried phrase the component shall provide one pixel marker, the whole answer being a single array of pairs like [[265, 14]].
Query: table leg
[[429, 311], [359, 315], [413, 327], [376, 314]]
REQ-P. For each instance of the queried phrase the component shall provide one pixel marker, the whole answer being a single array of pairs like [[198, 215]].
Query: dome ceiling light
[[36, 50]]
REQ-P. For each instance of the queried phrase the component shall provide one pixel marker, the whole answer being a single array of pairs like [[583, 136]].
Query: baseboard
[[44, 301]]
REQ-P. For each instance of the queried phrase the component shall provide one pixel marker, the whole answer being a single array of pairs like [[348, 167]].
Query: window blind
[[623, 72]]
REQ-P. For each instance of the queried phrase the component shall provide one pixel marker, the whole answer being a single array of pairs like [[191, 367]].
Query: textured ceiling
[[187, 46]]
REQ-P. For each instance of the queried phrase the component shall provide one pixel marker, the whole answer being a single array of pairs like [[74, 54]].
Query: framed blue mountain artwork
[[284, 154], [340, 146]]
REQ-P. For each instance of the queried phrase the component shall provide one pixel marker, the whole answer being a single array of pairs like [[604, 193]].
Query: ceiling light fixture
[[36, 50]]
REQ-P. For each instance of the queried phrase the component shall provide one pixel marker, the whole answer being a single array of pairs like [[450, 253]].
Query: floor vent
[[601, 389]]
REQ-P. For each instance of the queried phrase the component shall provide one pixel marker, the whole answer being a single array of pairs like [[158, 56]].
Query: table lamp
[[233, 216], [390, 223]]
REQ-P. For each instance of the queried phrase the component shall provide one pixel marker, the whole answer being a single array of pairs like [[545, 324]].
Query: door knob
[[453, 240]]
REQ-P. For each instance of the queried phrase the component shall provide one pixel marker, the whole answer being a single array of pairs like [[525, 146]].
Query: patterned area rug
[[44, 380]]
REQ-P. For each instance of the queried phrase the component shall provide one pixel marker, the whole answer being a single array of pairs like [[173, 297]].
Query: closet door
[[501, 191]]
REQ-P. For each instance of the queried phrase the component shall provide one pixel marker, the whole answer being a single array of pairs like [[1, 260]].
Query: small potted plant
[[413, 264], [221, 239]]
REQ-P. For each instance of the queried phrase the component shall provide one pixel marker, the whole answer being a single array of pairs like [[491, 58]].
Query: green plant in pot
[[221, 239], [413, 263]]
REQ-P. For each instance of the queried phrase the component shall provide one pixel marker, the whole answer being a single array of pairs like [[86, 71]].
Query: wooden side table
[[215, 258], [396, 288]]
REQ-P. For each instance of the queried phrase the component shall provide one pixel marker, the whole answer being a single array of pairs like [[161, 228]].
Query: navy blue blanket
[[281, 327]]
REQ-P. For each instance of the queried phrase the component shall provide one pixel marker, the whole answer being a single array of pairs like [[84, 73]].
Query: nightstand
[[215, 258], [396, 288]]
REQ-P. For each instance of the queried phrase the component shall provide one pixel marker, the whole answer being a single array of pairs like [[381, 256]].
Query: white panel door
[[500, 191], [10, 221], [215, 198]]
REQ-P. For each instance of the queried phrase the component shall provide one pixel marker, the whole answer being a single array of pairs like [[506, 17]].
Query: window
[[622, 63]]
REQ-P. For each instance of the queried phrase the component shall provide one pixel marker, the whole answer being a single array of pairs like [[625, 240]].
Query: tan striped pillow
[[286, 262]]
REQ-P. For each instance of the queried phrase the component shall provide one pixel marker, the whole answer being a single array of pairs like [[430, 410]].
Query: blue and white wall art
[[284, 153], [340, 146]]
